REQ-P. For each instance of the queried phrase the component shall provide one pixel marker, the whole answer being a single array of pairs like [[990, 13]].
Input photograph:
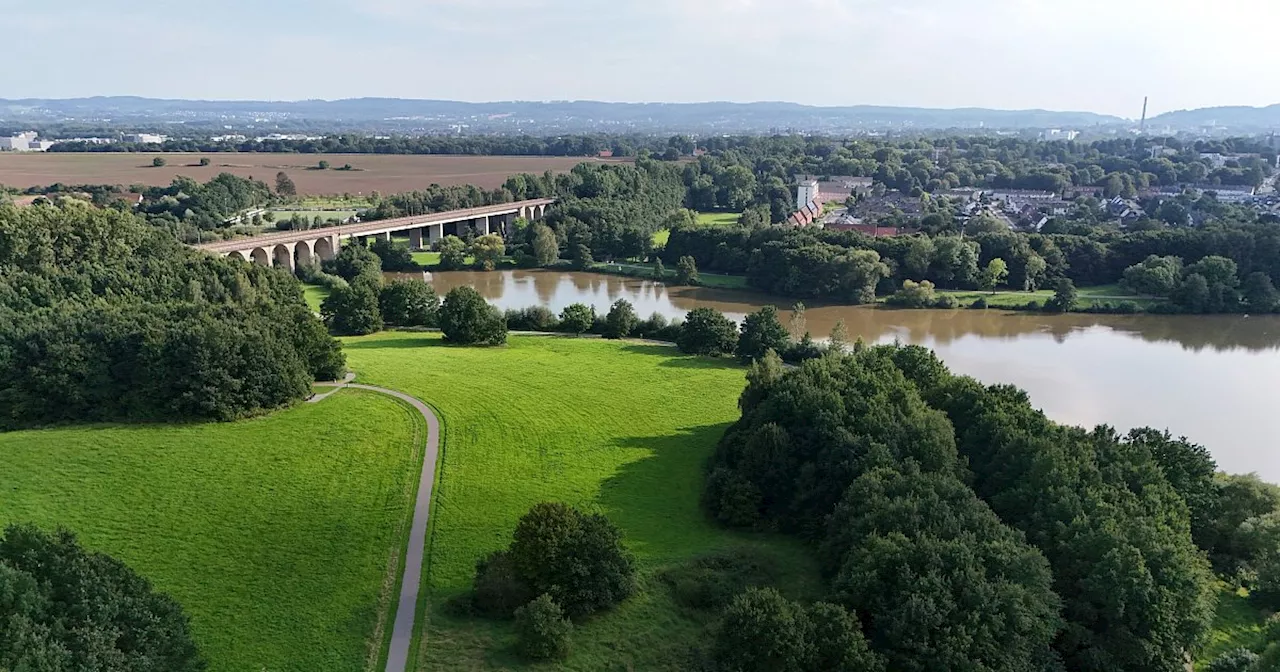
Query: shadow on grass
[[398, 344], [656, 499], [673, 358]]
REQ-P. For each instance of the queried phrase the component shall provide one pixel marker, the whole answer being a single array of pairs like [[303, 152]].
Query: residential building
[[807, 192]]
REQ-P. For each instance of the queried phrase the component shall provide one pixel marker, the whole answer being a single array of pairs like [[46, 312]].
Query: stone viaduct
[[290, 249]]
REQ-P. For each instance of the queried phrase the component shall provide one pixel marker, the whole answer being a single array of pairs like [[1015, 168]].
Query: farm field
[[385, 173], [611, 427], [281, 536]]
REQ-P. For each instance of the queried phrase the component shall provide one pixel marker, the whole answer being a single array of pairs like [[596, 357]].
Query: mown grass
[[1237, 623], [636, 270], [276, 534], [1010, 299], [618, 428], [704, 219], [315, 295]]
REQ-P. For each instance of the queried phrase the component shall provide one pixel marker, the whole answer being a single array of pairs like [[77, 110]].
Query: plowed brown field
[[381, 172]]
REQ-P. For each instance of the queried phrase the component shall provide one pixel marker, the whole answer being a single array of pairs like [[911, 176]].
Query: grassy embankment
[[1237, 623], [704, 219], [281, 536], [1088, 297], [618, 428]]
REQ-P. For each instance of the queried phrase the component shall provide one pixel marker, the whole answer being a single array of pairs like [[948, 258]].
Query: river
[[1213, 379]]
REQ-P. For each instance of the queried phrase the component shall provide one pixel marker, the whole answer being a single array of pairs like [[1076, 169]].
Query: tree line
[[104, 318], [962, 529]]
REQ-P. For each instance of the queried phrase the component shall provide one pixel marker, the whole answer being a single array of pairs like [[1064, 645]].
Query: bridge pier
[[435, 233], [481, 225], [415, 239], [282, 255], [260, 257]]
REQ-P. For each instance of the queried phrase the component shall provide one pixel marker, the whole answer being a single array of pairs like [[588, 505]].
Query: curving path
[[402, 630]]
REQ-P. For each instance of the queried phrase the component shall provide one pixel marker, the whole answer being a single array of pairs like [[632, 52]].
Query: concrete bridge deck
[[292, 248]]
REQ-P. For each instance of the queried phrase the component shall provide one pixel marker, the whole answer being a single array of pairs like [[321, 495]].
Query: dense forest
[[103, 318], [965, 530]]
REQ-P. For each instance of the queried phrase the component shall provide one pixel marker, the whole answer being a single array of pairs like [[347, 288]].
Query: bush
[[64, 608], [687, 271], [710, 583], [707, 331], [356, 262], [409, 303], [762, 332], [762, 631], [542, 630], [498, 591], [913, 295], [979, 304], [946, 302], [535, 318], [394, 257], [1235, 660], [803, 351], [467, 319], [576, 558]]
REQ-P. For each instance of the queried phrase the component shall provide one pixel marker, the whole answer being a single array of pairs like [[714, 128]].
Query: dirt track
[[381, 172]]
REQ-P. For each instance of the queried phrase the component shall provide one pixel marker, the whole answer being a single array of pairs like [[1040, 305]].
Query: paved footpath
[[402, 631]]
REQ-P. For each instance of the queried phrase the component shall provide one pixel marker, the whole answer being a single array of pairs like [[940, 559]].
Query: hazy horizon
[[1098, 56]]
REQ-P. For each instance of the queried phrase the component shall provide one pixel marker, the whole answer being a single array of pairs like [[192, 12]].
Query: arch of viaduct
[[290, 249]]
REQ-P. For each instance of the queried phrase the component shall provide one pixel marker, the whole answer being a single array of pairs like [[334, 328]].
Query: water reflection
[[1215, 379]]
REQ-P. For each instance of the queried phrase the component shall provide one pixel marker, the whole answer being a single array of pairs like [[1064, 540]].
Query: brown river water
[[1213, 379]]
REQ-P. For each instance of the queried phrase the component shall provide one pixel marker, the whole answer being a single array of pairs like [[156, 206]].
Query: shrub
[[735, 501], [467, 319], [498, 592], [710, 583], [1235, 660], [979, 304], [687, 271], [534, 318], [707, 331], [913, 295], [762, 631], [576, 558], [946, 302], [394, 257], [542, 630]]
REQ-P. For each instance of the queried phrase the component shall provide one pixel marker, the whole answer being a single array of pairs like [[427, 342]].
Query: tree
[[467, 319], [659, 272], [323, 165], [453, 253], [356, 264], [707, 331], [839, 338], [546, 251], [409, 303], [65, 608], [994, 275], [1193, 294], [582, 257], [577, 318], [542, 631], [761, 332], [1259, 294], [621, 321], [204, 161], [158, 162], [352, 310], [285, 186], [762, 631], [1155, 276], [797, 327], [394, 257], [1235, 660], [576, 558], [1065, 296], [488, 250], [687, 271]]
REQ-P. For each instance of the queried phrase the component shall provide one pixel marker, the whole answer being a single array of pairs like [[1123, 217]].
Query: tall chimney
[[1142, 126]]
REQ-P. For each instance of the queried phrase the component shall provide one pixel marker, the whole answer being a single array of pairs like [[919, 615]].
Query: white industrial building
[[145, 138], [27, 141], [806, 193]]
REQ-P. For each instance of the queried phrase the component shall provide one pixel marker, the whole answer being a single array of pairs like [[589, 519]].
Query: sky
[[1095, 55]]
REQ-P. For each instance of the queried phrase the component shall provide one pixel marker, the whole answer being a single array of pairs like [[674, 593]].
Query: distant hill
[[1239, 117], [400, 115]]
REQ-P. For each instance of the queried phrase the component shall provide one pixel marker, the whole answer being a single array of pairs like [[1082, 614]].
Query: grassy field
[[337, 215], [1009, 299], [280, 536], [633, 270], [1237, 623], [315, 295], [613, 427], [704, 219], [387, 173]]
